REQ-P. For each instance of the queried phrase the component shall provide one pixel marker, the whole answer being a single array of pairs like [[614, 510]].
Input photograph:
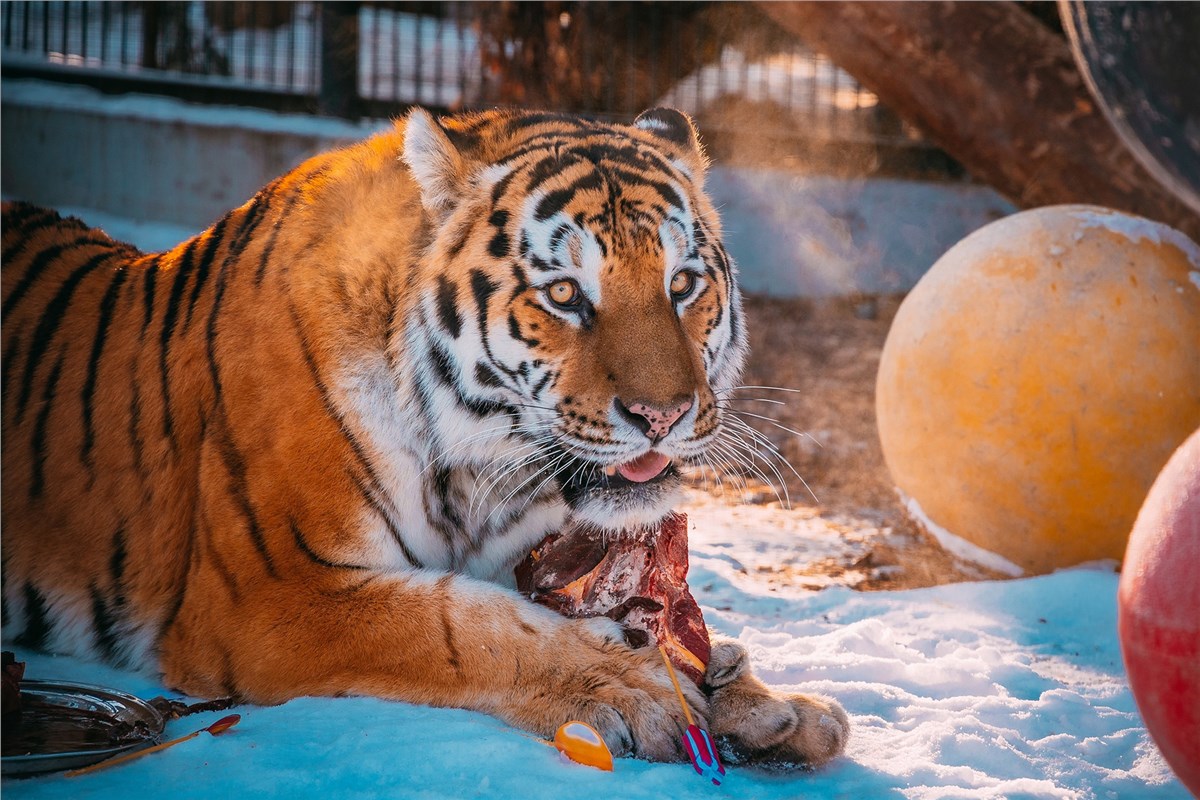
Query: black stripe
[[183, 271], [88, 394], [104, 625], [181, 593], [723, 263], [302, 544], [116, 567], [665, 190], [269, 248], [443, 369], [461, 138], [236, 468], [37, 620], [202, 268], [370, 493], [716, 320], [501, 186], [514, 330], [545, 169], [259, 205], [537, 389], [38, 482], [218, 563], [447, 306], [520, 282], [734, 321], [48, 324], [135, 421], [29, 229], [555, 201], [366, 494], [151, 276], [556, 238], [434, 506], [452, 655], [19, 211], [246, 231], [425, 407], [442, 484], [210, 337], [443, 365], [538, 144], [228, 677], [10, 358], [486, 376], [663, 164], [501, 244], [38, 265], [552, 203], [483, 288]]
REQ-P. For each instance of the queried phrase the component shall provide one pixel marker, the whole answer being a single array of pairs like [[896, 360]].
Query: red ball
[[1159, 612]]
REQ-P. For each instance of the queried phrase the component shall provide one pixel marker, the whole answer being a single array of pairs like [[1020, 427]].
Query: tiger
[[300, 453]]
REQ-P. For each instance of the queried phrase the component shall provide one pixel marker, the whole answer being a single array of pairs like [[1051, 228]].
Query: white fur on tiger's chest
[[453, 500]]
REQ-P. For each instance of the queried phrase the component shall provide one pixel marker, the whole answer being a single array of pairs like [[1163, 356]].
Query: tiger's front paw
[[625, 694], [753, 724]]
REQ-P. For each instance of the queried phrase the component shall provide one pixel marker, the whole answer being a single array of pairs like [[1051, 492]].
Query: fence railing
[[377, 58]]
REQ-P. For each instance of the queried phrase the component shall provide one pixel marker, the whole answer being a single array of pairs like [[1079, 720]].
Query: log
[[995, 89]]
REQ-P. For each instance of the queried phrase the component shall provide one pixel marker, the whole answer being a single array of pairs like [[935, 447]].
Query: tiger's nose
[[654, 422]]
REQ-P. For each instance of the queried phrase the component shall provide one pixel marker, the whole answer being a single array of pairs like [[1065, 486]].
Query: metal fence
[[377, 58]]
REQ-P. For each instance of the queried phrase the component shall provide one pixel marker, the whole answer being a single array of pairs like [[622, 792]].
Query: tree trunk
[[994, 88]]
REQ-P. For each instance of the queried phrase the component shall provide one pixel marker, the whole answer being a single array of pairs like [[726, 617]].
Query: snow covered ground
[[982, 690]]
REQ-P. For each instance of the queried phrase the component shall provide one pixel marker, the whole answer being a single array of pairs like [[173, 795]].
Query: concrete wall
[[150, 159]]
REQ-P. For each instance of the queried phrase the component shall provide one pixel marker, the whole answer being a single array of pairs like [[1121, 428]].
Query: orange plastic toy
[[580, 742]]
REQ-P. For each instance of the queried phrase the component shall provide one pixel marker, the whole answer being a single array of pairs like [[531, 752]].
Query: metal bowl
[[71, 725]]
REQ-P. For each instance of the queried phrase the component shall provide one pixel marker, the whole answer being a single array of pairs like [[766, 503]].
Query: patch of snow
[[957, 545]]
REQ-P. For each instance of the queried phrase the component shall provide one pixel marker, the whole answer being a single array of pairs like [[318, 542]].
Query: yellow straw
[[130, 756], [671, 671], [218, 727]]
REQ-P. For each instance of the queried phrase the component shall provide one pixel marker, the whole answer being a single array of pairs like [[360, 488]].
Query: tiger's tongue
[[644, 467]]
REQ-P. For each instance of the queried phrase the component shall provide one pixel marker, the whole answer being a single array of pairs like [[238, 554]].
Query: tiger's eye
[[563, 293], [682, 285]]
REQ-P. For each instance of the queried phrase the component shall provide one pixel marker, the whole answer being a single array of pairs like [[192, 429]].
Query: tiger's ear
[[436, 164], [677, 128]]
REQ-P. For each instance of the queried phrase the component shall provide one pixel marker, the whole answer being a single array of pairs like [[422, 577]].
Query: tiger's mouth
[[642, 473], [624, 496], [647, 467]]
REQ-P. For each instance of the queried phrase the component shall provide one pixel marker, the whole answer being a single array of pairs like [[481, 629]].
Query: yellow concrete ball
[[1038, 377]]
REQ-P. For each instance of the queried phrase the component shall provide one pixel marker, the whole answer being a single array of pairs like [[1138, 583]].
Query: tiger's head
[[579, 290]]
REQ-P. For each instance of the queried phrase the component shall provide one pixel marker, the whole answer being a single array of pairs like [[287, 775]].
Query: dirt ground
[[827, 353]]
